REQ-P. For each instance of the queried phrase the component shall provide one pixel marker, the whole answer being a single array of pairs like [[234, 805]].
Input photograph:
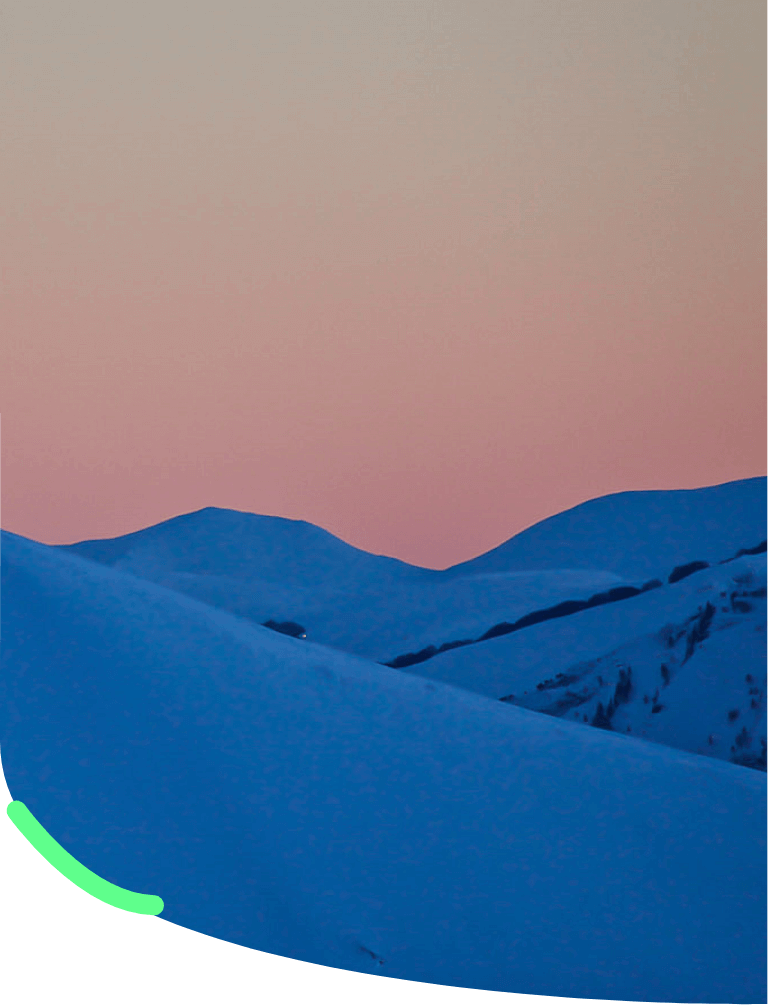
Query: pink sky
[[420, 274]]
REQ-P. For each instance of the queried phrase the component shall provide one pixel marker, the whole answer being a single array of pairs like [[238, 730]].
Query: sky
[[420, 273]]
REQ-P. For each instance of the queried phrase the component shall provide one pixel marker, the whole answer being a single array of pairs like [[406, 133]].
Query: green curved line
[[51, 850]]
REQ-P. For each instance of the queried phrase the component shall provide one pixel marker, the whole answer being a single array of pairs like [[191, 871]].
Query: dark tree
[[758, 549], [454, 645], [622, 593], [742, 740], [601, 719], [409, 659], [682, 571], [558, 611], [740, 606], [624, 687], [287, 628], [504, 628]]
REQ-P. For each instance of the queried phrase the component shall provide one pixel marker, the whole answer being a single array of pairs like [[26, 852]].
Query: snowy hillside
[[684, 664], [295, 799], [637, 535], [267, 568], [697, 683], [380, 620], [270, 570], [244, 546]]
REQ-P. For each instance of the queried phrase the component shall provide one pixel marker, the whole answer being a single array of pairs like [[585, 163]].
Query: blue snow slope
[[307, 803], [637, 535]]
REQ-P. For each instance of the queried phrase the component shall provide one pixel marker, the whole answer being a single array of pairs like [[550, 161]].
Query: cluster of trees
[[567, 607], [700, 630], [683, 571], [287, 628], [759, 549], [409, 659], [621, 695], [750, 759], [559, 680]]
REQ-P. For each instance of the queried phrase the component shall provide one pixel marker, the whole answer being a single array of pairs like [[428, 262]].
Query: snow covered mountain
[[283, 795], [684, 664], [267, 568], [292, 797], [243, 546], [637, 535]]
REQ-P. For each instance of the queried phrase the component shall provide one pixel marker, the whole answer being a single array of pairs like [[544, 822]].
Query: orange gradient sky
[[422, 273]]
